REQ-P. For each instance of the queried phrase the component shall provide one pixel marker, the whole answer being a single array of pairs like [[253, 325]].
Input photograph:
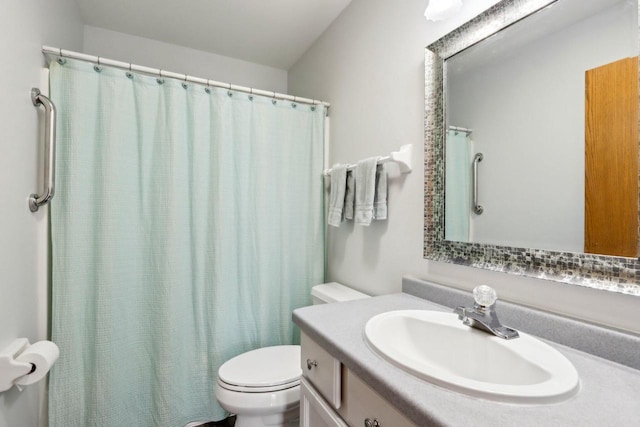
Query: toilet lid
[[264, 367]]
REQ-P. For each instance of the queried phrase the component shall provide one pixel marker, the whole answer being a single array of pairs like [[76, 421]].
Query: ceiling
[[269, 32]]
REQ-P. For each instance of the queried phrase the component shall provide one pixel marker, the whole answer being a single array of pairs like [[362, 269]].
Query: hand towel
[[349, 196], [380, 197], [336, 197], [365, 174]]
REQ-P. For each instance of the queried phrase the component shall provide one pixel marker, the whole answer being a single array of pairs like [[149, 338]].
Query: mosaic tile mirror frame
[[618, 274]]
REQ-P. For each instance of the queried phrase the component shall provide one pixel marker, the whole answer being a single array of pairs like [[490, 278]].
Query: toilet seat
[[244, 389], [262, 370]]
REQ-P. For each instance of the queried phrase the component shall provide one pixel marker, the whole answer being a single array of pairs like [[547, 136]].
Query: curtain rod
[[461, 129], [63, 53]]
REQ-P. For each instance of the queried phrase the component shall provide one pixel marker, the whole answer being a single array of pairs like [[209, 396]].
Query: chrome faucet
[[483, 314]]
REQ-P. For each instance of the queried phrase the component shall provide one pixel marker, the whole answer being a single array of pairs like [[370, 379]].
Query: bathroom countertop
[[609, 392]]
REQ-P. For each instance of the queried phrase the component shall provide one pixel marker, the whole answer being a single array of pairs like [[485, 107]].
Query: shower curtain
[[457, 186], [187, 225]]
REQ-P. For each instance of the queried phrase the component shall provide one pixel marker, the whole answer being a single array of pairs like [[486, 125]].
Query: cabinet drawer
[[314, 411], [321, 369], [360, 402]]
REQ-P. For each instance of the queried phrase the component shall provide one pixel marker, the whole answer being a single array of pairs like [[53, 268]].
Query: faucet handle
[[484, 295]]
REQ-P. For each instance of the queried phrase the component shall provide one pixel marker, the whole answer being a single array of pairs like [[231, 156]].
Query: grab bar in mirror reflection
[[35, 200], [477, 209]]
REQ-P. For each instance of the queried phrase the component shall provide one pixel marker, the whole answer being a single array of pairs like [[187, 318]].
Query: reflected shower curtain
[[457, 186], [187, 225]]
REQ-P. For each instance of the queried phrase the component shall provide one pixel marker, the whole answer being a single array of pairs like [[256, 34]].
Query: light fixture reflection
[[439, 10]]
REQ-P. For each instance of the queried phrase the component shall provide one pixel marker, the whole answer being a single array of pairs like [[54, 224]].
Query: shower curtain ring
[[97, 68], [129, 74]]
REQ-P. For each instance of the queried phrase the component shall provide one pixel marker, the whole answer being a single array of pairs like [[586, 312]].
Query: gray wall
[[25, 25], [370, 65], [180, 59]]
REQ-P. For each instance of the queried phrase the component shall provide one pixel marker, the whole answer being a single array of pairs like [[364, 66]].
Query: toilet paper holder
[[10, 368]]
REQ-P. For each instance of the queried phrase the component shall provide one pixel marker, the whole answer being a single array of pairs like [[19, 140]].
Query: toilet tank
[[334, 292]]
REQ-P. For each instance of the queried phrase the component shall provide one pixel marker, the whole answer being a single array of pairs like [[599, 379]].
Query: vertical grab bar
[[477, 209], [35, 201]]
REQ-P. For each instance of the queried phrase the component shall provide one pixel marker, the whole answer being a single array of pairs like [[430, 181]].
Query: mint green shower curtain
[[457, 186], [187, 225]]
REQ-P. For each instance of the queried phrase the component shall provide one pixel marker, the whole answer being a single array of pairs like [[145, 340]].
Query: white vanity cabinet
[[333, 396], [314, 410]]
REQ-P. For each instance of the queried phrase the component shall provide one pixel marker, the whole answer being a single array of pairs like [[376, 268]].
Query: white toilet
[[262, 387]]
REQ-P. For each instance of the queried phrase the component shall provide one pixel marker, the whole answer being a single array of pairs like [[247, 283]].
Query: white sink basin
[[437, 347]]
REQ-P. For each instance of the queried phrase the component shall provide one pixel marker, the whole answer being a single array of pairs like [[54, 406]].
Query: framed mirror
[[531, 142]]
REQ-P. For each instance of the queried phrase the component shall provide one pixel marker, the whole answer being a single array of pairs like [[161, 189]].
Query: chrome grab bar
[[477, 209], [35, 201]]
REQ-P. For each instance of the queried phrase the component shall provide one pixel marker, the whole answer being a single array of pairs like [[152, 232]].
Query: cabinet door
[[363, 406], [321, 369], [314, 411]]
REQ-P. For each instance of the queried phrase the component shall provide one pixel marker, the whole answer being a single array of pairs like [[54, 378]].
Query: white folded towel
[[365, 176], [380, 197], [349, 196], [336, 197]]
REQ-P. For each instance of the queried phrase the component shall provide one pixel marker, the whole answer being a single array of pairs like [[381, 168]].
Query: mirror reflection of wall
[[522, 91]]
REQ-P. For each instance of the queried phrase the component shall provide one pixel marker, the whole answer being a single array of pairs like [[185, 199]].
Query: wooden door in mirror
[[611, 159]]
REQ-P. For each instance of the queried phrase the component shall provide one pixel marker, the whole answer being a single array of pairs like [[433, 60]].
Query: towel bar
[[35, 201], [402, 157]]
